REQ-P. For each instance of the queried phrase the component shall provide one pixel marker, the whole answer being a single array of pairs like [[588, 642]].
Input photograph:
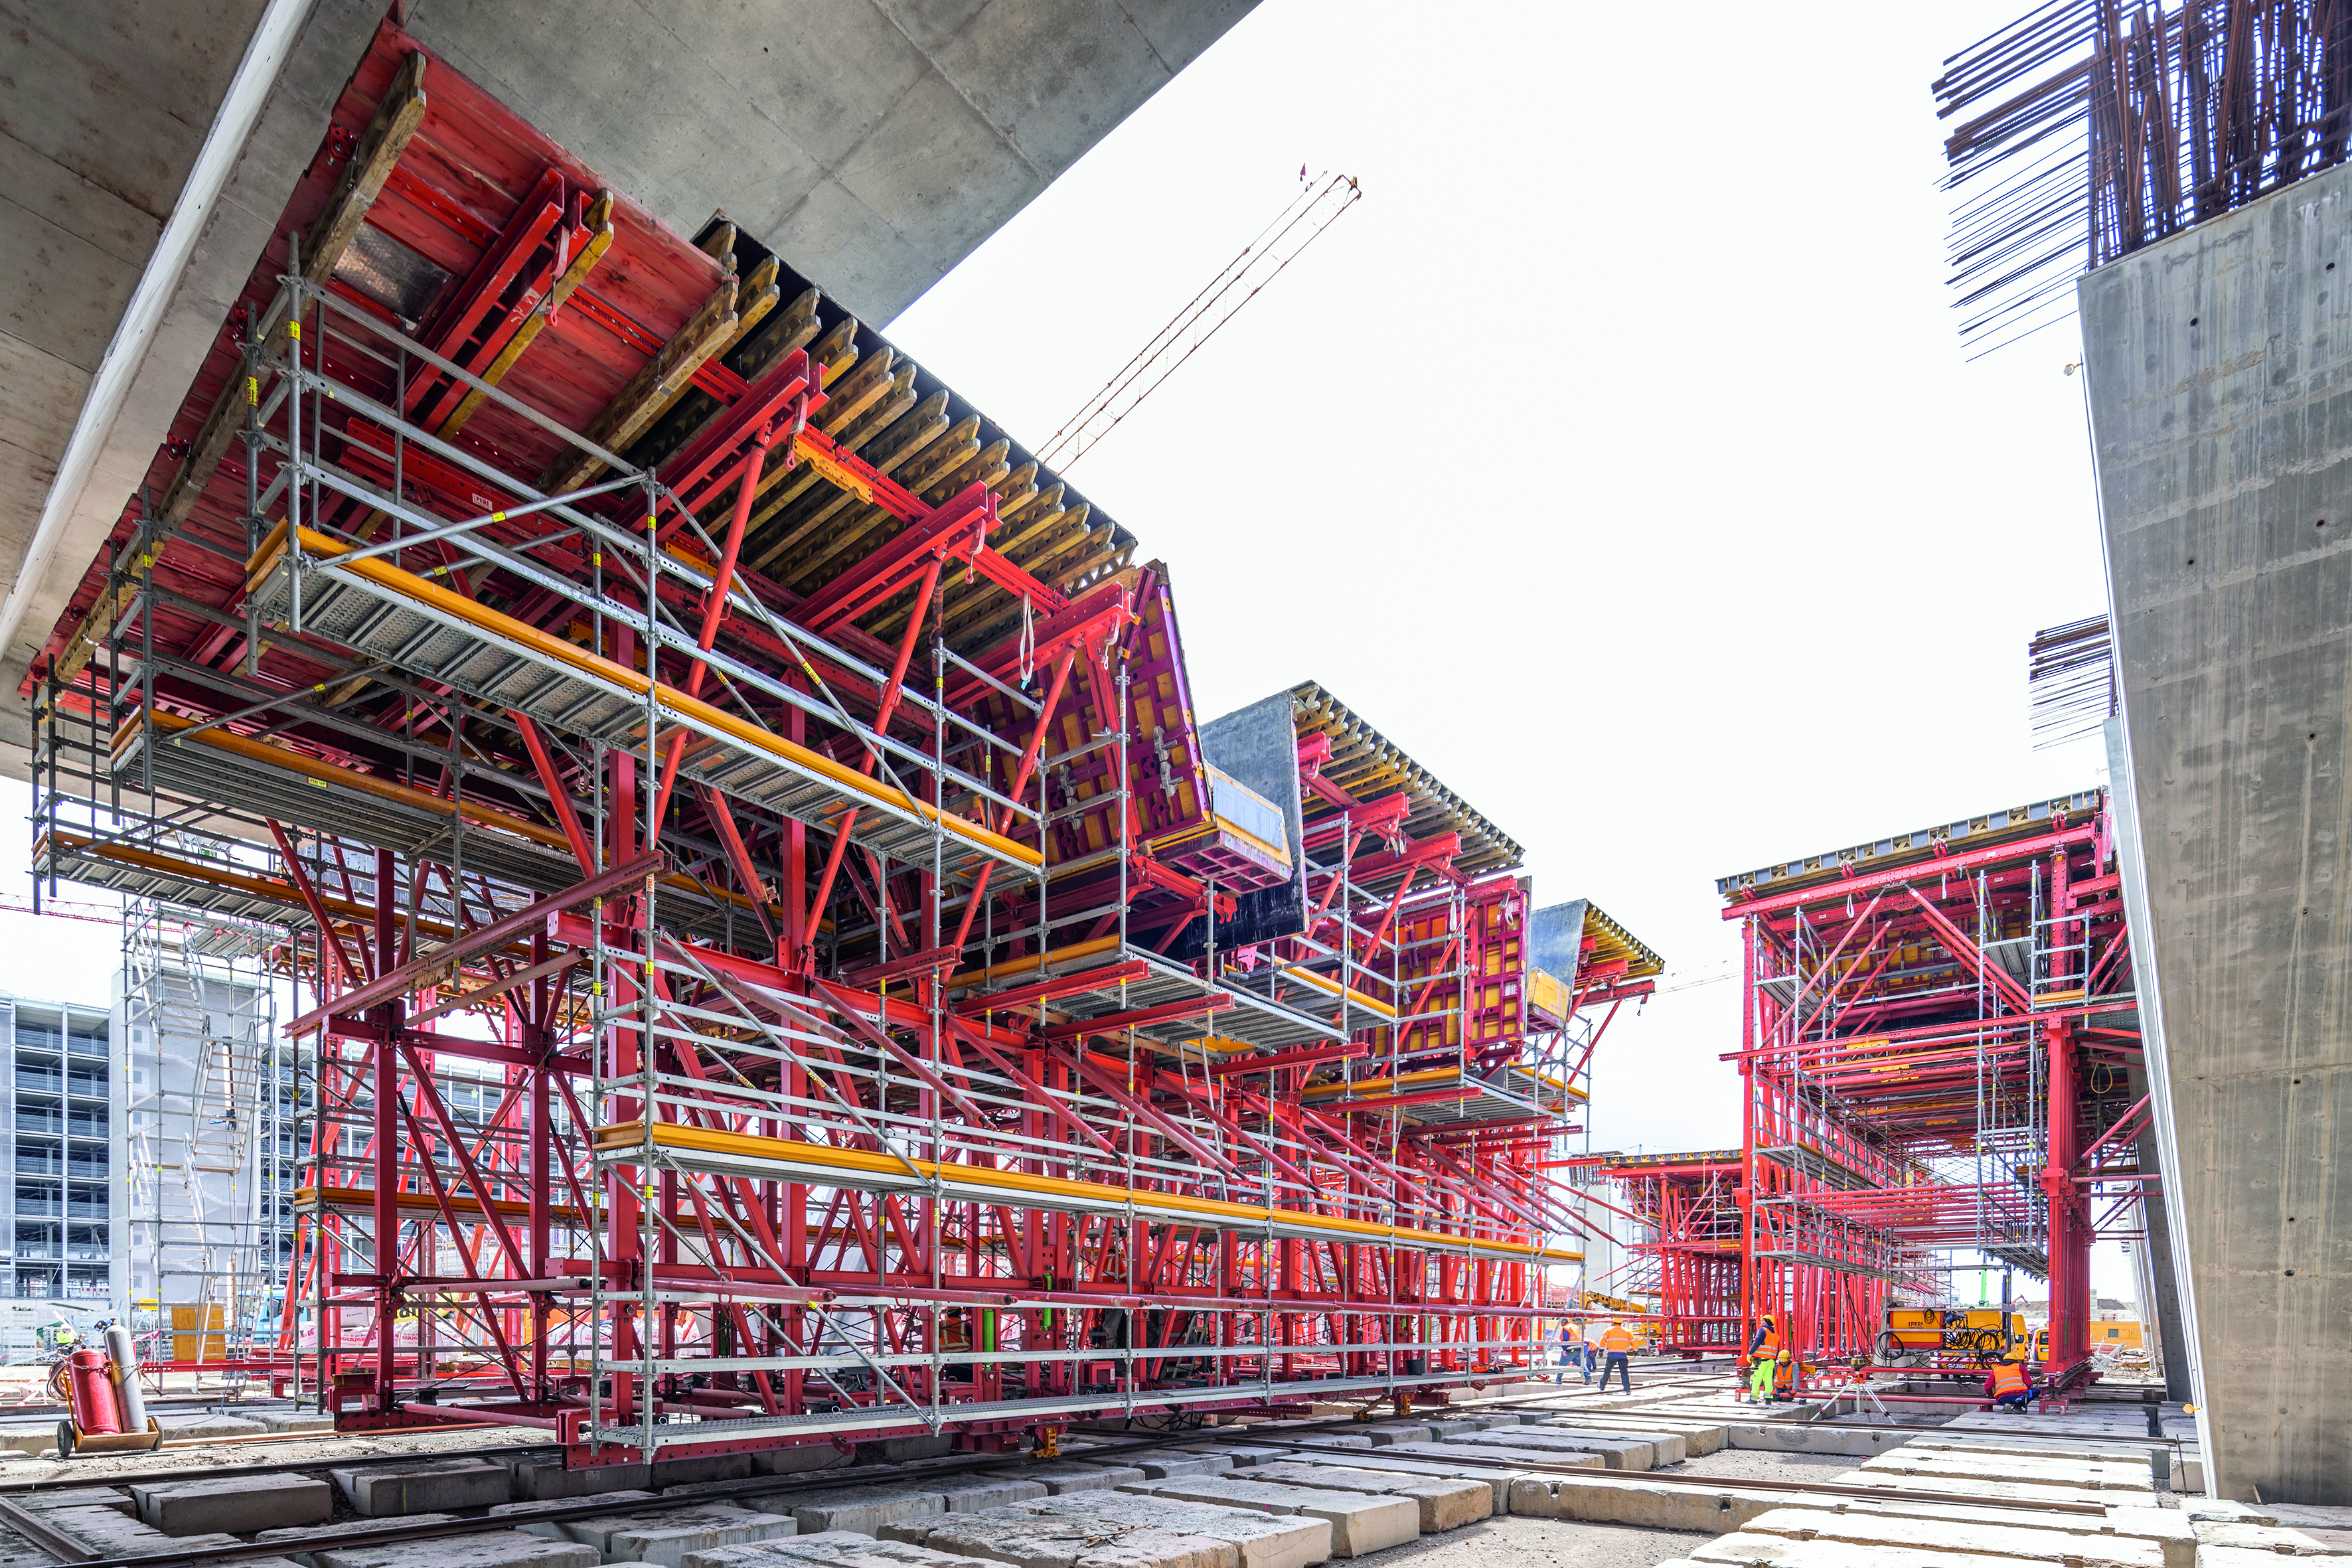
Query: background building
[[57, 1123]]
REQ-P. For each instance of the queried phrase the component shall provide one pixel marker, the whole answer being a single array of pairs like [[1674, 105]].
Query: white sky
[[1616, 456]]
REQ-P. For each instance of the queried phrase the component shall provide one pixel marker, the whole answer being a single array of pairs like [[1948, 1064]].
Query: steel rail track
[[1298, 1439], [709, 1491]]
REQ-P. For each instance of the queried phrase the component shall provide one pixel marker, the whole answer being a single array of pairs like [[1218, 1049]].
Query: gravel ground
[[1543, 1544], [1567, 1543], [1765, 1465]]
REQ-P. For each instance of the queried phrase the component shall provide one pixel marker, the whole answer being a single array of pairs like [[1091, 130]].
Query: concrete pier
[[2218, 360]]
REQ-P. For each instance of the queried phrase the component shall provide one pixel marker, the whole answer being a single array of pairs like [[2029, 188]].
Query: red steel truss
[[782, 960], [1689, 1240], [1941, 1056]]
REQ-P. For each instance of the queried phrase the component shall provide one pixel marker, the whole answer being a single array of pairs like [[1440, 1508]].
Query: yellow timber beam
[[820, 1165]]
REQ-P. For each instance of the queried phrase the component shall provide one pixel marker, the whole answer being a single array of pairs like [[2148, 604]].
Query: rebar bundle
[[2095, 127]]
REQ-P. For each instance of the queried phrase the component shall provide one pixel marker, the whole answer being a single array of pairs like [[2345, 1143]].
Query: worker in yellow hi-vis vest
[[1616, 1344]]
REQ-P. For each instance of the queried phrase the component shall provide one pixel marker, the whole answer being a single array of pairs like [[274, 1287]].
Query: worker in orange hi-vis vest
[[2008, 1385], [1616, 1344], [1784, 1374]]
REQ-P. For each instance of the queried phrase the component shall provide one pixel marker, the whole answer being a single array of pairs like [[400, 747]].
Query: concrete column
[[2220, 366]]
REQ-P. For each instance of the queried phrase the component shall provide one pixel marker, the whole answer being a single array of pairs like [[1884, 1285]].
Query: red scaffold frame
[[1940, 1056], [1688, 1245], [780, 965]]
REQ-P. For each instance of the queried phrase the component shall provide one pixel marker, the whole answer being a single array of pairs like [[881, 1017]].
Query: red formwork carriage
[[781, 960], [1940, 1057], [1686, 1243]]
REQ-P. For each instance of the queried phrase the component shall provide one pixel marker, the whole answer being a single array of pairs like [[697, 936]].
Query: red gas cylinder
[[94, 1407]]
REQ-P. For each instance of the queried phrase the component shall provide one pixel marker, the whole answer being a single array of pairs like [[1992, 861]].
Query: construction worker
[[1616, 1344], [2009, 1384], [1759, 1377], [1784, 1374], [1571, 1351], [1766, 1341]]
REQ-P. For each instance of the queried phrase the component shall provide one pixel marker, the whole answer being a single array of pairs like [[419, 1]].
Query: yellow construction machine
[[1945, 1336]]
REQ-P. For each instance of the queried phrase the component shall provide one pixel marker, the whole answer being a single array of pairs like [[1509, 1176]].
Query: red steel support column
[[386, 1052], [1752, 1085], [536, 1039], [2070, 1229]]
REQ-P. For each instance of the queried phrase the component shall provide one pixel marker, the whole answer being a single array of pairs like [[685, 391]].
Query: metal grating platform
[[195, 771], [389, 616], [71, 858], [1253, 1019]]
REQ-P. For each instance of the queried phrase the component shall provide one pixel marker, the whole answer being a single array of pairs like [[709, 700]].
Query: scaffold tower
[[1941, 1061], [212, 1103], [779, 956]]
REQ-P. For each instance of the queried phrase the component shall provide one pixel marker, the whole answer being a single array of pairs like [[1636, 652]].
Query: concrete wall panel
[[45, 190], [28, 469], [931, 24], [1258, 746], [2221, 367], [940, 175], [633, 97], [62, 291], [40, 393], [1181, 29]]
